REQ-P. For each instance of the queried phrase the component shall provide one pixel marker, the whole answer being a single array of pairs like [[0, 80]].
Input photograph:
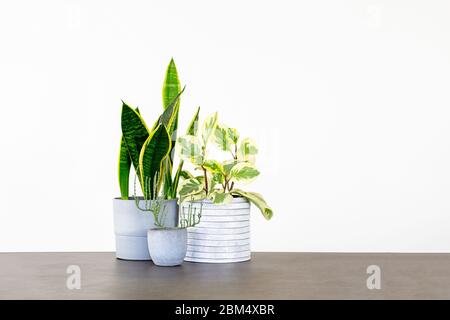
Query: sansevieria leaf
[[171, 85], [135, 133], [171, 93], [186, 174], [154, 151], [124, 170], [170, 113], [169, 119], [193, 125], [257, 200]]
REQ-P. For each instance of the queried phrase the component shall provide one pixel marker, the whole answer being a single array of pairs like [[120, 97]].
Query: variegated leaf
[[190, 149]]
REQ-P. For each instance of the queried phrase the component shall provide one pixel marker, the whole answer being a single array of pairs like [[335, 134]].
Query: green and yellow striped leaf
[[171, 96], [155, 150], [124, 169], [135, 133], [193, 125], [171, 85], [170, 114]]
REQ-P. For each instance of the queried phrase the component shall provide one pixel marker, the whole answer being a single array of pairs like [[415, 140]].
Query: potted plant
[[223, 234], [168, 245], [150, 151]]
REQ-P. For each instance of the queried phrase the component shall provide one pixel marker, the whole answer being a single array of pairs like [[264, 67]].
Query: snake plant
[[151, 150], [218, 180]]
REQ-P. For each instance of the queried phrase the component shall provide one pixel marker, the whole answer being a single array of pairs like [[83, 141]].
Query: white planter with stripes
[[223, 234]]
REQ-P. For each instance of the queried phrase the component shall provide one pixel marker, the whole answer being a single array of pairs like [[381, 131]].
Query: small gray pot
[[131, 225], [167, 246]]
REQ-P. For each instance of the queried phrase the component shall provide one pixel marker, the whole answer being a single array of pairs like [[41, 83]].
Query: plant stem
[[225, 184], [206, 179]]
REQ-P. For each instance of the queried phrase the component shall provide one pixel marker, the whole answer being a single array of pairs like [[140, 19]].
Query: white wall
[[349, 101]]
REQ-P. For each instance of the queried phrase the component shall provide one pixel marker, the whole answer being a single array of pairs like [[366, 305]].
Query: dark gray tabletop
[[266, 276]]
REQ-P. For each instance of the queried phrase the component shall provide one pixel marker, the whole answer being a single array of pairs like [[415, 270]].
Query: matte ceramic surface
[[167, 246], [131, 225], [223, 234]]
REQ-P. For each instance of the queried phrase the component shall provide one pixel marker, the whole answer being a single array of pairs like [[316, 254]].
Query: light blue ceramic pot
[[167, 246], [131, 226]]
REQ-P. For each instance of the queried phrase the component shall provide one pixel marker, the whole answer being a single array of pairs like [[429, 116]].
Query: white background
[[349, 102]]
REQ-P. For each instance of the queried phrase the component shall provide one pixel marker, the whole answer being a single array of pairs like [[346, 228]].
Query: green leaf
[[135, 133], [191, 130], [244, 172], [169, 120], [171, 85], [124, 167], [228, 165], [233, 134], [124, 170], [189, 187], [170, 115], [153, 153], [247, 150], [257, 200], [195, 197], [190, 149], [218, 178], [220, 197], [171, 93], [222, 138], [186, 174], [193, 125], [209, 125], [168, 188], [213, 166]]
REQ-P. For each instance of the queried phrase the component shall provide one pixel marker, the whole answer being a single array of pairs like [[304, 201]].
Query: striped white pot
[[223, 234]]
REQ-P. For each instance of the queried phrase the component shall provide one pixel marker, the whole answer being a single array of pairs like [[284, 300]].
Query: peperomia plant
[[217, 180], [151, 151]]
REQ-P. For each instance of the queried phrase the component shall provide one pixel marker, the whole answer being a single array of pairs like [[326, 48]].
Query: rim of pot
[[236, 199], [166, 229], [142, 198]]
